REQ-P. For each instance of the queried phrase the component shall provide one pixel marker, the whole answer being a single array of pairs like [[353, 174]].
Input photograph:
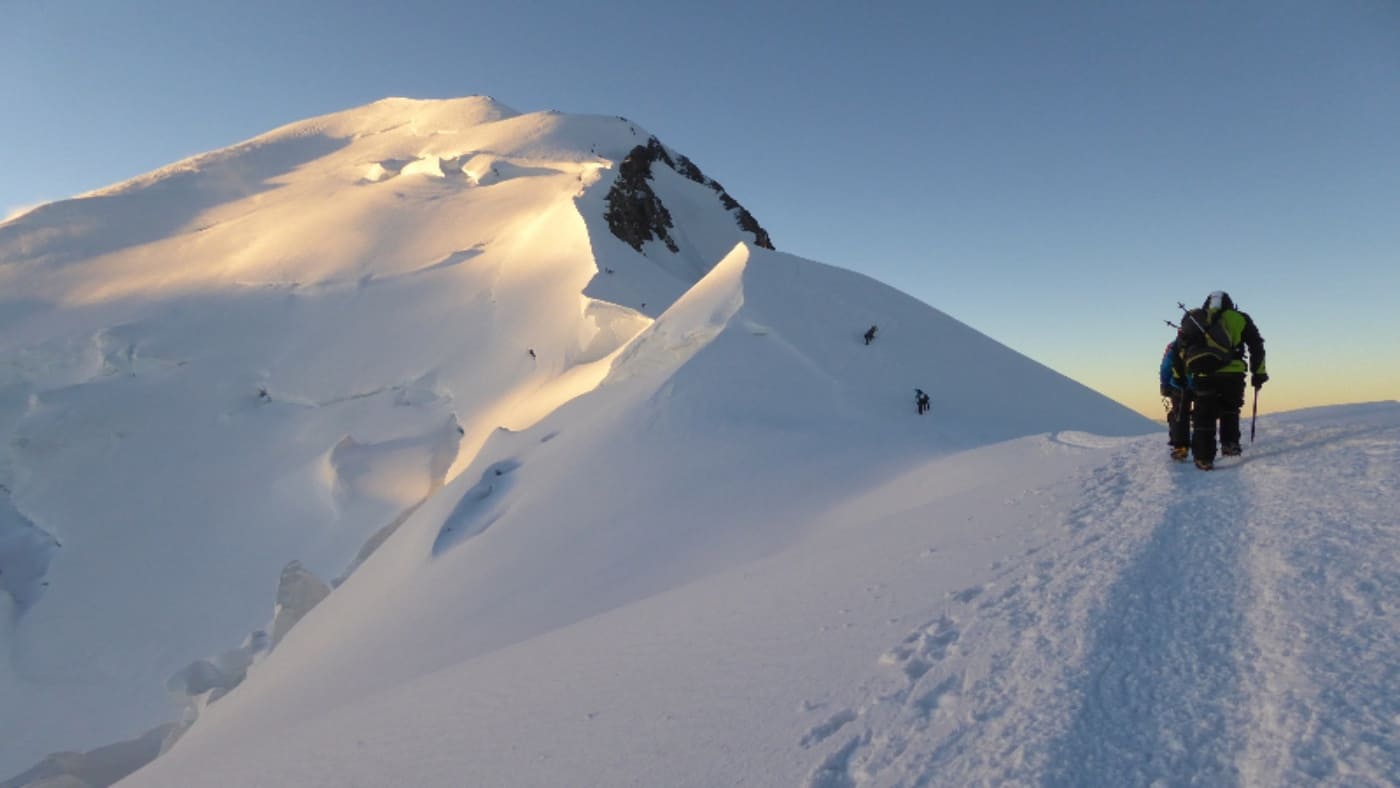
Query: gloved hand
[[1259, 379], [1168, 391]]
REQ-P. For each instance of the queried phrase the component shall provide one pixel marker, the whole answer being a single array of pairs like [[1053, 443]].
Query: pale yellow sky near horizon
[[1277, 396]]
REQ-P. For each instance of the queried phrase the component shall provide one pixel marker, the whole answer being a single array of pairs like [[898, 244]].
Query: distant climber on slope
[[870, 334], [921, 401], [1212, 348]]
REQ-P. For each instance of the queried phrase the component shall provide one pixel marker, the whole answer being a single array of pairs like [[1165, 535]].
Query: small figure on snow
[[921, 401], [870, 334], [531, 351]]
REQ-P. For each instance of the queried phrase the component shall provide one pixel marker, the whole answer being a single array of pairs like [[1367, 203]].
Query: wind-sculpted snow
[[25, 553], [793, 356], [279, 352], [479, 508], [401, 471], [78, 230]]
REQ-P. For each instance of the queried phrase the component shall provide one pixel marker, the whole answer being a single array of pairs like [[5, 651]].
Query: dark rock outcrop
[[636, 214]]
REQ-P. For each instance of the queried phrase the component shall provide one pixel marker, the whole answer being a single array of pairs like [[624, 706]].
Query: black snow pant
[[1179, 420], [1217, 399]]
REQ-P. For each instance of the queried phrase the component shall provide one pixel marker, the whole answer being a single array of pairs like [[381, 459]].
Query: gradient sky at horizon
[[1056, 175]]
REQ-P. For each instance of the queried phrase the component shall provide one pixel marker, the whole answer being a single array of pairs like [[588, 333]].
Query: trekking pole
[[1255, 415], [1190, 317]]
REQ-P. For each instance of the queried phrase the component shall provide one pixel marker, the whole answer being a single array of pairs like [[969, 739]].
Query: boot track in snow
[[1182, 627]]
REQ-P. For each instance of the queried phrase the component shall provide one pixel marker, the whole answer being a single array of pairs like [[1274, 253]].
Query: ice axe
[[1254, 415]]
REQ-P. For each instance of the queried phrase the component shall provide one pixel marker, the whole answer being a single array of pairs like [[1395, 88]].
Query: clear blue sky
[[1055, 174]]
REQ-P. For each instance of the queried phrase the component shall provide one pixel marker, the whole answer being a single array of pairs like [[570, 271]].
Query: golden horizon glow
[[1274, 398]]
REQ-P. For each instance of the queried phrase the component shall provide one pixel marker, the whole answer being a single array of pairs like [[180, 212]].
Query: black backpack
[[1205, 345]]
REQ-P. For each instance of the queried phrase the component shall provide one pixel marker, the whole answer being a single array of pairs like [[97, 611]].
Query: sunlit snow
[[367, 449]]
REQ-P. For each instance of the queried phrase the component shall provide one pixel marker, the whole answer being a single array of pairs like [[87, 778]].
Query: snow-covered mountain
[[433, 443]]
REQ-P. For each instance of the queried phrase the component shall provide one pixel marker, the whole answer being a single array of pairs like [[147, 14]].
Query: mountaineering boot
[[1180, 453], [1230, 449], [1204, 465]]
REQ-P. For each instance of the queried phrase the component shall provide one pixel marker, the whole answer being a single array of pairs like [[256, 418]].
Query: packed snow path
[[1226, 628]]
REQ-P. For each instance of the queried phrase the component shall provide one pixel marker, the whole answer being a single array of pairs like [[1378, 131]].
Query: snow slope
[[271, 353], [376, 411], [1060, 609], [727, 397]]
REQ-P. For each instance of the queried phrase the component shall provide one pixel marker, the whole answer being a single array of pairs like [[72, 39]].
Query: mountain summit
[[367, 195], [456, 377]]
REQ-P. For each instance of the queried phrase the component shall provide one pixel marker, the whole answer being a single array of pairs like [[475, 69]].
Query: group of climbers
[[1203, 375], [921, 399]]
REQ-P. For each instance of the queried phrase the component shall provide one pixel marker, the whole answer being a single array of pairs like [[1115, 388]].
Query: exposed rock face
[[635, 213]]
